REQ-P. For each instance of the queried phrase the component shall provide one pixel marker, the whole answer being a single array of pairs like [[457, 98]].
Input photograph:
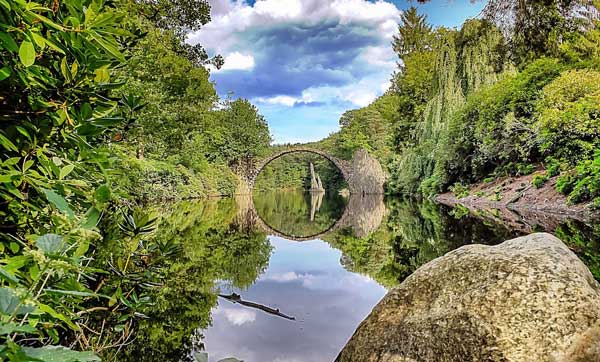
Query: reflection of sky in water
[[304, 280]]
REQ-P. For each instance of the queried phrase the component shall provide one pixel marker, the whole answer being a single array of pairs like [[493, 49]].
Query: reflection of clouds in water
[[339, 282], [284, 277], [236, 317], [305, 281]]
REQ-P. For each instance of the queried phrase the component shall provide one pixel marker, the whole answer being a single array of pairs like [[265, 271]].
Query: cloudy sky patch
[[305, 62]]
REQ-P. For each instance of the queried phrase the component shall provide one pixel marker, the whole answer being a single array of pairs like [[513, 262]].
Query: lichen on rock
[[527, 299]]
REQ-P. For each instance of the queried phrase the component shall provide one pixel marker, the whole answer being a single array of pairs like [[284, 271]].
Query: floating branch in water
[[236, 298]]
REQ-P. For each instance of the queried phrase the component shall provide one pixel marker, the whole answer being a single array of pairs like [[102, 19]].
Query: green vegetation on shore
[[493, 98], [103, 104]]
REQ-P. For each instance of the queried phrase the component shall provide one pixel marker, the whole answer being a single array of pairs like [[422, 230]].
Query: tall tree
[[415, 45], [414, 34], [537, 28]]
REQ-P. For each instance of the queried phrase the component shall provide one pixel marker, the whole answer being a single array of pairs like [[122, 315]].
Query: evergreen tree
[[414, 34]]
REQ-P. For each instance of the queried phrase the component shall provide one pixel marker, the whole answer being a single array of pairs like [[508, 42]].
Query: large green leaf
[[10, 303], [10, 328], [4, 73], [6, 275], [5, 4], [8, 42], [92, 216], [7, 144], [59, 354], [51, 244], [48, 309], [59, 201], [65, 171], [27, 53]]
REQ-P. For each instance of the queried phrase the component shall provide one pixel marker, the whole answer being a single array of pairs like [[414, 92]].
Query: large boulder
[[527, 299]]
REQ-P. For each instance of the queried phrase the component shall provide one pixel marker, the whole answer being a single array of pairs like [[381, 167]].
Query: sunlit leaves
[[27, 53], [4, 73], [7, 42], [59, 202]]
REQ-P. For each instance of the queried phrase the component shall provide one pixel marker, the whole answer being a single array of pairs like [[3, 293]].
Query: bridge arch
[[340, 223], [342, 165]]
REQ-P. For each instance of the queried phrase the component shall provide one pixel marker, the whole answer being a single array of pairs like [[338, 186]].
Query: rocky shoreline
[[518, 194]]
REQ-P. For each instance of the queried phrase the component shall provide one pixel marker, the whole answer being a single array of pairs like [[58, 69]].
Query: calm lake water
[[288, 276]]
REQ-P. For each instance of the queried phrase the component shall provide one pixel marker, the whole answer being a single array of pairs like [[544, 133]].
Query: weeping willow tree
[[465, 61]]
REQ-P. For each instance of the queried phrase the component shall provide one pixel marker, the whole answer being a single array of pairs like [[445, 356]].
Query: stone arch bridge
[[362, 214], [363, 173]]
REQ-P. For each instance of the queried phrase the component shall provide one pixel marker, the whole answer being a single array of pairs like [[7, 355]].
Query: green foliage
[[414, 34], [463, 62], [62, 100], [208, 250], [244, 132], [481, 117], [537, 28], [368, 128], [459, 190], [58, 62], [185, 137], [539, 181], [583, 182], [584, 240], [292, 171], [150, 179], [288, 211], [568, 116]]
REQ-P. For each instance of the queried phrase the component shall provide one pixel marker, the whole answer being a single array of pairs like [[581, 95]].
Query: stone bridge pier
[[364, 173]]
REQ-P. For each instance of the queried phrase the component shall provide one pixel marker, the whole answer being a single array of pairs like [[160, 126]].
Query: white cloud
[[290, 277], [229, 18], [385, 86], [238, 61], [236, 316], [361, 98], [287, 101], [282, 100], [382, 56], [284, 277]]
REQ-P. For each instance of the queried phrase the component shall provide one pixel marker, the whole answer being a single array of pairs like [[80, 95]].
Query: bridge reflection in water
[[362, 214]]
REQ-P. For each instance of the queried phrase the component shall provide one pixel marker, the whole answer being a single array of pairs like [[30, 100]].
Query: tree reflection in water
[[221, 247]]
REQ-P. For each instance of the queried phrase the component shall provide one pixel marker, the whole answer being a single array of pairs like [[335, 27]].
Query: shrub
[[525, 169], [582, 183], [569, 116], [552, 167], [539, 181], [431, 185], [459, 190], [564, 184]]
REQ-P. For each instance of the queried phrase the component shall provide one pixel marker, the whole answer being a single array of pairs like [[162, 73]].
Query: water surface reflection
[[304, 280], [329, 285]]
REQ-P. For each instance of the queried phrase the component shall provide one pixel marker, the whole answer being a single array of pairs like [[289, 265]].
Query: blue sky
[[305, 62]]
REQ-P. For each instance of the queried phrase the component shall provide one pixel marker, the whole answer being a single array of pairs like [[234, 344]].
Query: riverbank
[[519, 194]]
